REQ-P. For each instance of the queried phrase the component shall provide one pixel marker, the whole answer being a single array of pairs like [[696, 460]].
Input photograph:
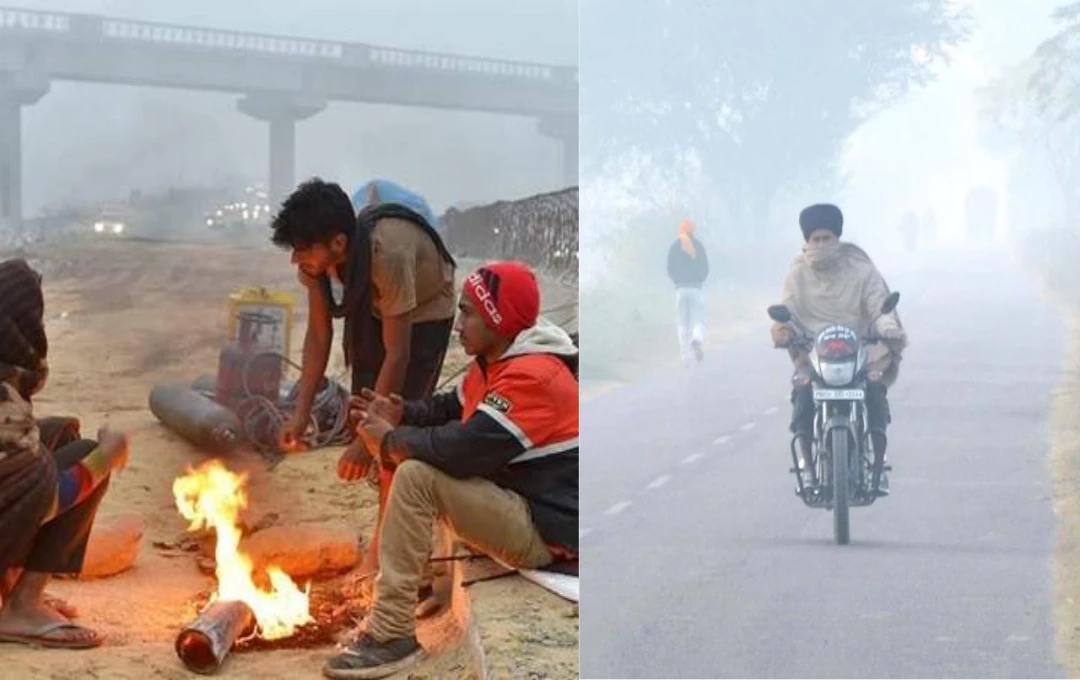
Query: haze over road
[[701, 562]]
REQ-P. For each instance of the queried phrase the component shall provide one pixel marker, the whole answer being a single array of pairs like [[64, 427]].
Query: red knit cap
[[507, 295]]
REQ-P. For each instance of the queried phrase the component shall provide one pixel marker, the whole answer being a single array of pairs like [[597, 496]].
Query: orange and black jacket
[[513, 421]]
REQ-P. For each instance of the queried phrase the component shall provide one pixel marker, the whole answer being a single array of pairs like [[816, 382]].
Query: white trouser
[[689, 318]]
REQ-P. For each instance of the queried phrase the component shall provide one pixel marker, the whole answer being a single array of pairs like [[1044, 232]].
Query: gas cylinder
[[197, 418], [244, 368]]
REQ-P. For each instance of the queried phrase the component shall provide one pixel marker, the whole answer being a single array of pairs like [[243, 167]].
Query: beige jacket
[[841, 285]]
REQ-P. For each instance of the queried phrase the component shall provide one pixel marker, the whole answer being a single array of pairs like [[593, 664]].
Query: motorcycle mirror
[[890, 302], [779, 313]]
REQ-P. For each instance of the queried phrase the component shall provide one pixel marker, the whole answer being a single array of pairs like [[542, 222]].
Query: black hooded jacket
[[685, 271]]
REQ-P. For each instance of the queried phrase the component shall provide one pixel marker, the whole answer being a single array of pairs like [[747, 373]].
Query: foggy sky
[[89, 141], [923, 152]]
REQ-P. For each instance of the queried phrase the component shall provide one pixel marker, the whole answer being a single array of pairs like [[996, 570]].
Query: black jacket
[[432, 431], [685, 271]]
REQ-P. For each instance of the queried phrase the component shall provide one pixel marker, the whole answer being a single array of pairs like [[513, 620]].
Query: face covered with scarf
[[822, 226]]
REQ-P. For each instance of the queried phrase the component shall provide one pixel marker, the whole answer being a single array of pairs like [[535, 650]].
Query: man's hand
[[305, 280], [371, 429], [354, 461], [389, 409], [781, 334], [292, 434], [116, 447]]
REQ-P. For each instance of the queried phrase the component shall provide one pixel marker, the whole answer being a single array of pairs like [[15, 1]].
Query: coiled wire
[[264, 421]]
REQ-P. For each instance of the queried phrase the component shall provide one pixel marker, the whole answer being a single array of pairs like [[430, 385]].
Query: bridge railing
[[32, 20], [89, 27], [540, 230]]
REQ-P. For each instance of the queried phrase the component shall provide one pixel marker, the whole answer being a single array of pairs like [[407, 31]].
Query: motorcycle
[[842, 455]]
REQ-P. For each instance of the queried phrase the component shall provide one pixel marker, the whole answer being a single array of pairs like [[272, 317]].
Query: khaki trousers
[[484, 515]]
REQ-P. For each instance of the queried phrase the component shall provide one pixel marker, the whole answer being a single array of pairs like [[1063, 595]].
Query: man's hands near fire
[[391, 409], [116, 447], [292, 435], [354, 462], [372, 425]]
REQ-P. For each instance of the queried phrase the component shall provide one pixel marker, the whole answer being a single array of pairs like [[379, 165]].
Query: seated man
[[51, 482], [496, 460]]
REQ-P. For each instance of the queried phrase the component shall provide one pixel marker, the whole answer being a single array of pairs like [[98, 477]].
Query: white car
[[111, 224]]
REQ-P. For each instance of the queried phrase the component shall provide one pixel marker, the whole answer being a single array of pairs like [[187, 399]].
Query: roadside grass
[[1051, 257]]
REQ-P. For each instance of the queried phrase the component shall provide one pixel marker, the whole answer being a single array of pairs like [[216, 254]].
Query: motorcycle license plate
[[838, 395]]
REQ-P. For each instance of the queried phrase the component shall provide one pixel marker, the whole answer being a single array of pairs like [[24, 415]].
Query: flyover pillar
[[564, 129], [16, 91], [282, 112]]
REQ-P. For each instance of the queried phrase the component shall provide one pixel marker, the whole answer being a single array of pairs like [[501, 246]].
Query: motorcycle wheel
[[838, 447]]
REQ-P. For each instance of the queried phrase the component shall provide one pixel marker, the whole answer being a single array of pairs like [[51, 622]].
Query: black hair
[[315, 212]]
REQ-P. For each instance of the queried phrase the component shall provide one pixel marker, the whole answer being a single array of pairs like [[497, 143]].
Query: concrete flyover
[[280, 80]]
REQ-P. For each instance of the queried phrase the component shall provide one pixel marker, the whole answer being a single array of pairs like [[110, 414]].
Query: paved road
[[700, 561]]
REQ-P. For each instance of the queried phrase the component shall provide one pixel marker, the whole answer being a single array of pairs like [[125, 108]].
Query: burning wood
[[213, 496]]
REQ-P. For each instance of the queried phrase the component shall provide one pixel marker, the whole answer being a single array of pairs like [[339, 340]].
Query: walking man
[[688, 267]]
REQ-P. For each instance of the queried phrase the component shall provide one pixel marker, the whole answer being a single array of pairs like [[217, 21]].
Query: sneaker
[[365, 658], [698, 352]]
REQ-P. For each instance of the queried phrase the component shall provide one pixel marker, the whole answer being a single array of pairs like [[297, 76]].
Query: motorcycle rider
[[835, 282]]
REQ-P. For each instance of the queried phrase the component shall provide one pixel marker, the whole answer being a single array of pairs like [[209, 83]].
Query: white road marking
[[944, 638], [722, 439], [659, 482], [692, 458], [748, 426], [618, 507], [1018, 638], [966, 483], [582, 533], [770, 411]]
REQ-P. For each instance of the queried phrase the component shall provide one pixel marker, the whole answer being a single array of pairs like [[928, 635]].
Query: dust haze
[[88, 142]]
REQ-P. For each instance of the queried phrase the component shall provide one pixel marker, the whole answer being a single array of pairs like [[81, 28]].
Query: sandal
[[40, 637]]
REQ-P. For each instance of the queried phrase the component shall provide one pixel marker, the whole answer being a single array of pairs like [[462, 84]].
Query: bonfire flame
[[213, 496]]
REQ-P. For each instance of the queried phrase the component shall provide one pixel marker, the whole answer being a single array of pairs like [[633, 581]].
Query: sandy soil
[[123, 316], [1051, 271], [1065, 467]]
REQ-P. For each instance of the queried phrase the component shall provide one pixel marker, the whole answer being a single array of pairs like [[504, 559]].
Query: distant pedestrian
[[688, 267]]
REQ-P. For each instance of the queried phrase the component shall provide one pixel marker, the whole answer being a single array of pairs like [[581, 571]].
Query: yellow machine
[[275, 308]]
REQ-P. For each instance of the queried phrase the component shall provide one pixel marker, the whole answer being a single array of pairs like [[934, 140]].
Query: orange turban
[[685, 229]]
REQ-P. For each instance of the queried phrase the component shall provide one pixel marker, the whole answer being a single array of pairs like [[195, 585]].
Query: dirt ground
[[1065, 468], [123, 316], [1051, 272]]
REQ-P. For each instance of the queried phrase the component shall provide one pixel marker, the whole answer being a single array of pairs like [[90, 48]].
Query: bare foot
[[26, 622], [65, 608]]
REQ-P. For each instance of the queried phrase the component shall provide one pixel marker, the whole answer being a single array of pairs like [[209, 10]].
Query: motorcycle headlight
[[838, 373]]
